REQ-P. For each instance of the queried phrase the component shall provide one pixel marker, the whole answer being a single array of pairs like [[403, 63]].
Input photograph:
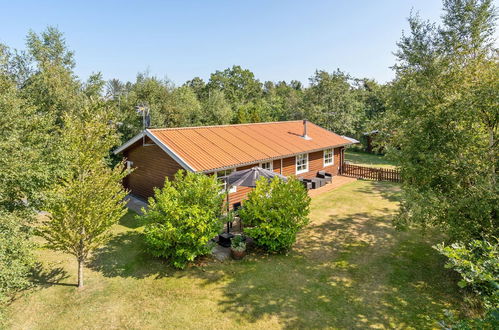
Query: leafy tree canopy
[[443, 121], [331, 102]]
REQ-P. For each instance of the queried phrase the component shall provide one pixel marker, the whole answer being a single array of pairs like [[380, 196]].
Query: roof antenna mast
[[146, 120]]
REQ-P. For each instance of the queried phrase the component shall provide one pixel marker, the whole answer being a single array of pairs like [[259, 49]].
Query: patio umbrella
[[248, 178]]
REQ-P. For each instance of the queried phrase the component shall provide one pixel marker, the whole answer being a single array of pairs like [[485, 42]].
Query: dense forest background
[[336, 101]]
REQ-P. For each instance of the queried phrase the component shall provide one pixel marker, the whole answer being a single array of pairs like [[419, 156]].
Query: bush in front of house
[[274, 213], [183, 217]]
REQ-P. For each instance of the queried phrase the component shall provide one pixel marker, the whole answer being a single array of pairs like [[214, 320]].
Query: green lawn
[[349, 269], [367, 159]]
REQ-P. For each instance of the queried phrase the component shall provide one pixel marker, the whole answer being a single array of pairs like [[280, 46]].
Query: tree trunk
[[80, 273]]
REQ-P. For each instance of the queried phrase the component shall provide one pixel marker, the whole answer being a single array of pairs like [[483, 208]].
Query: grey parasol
[[249, 177]]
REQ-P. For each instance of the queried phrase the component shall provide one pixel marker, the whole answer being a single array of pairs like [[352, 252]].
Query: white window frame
[[325, 158], [304, 166], [224, 173], [271, 167]]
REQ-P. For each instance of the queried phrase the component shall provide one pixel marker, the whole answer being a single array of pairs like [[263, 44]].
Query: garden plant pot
[[237, 255]]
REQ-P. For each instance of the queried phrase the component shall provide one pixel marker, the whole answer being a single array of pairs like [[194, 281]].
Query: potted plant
[[238, 247]]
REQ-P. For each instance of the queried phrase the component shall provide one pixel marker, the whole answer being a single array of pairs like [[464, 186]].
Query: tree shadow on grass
[[387, 190], [358, 229], [131, 220], [41, 278], [45, 278], [125, 255], [349, 272]]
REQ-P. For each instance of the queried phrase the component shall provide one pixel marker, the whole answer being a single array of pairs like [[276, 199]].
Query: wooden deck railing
[[371, 173]]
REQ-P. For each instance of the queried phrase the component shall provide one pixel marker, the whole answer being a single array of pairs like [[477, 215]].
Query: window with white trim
[[267, 166], [301, 163], [221, 175], [328, 157]]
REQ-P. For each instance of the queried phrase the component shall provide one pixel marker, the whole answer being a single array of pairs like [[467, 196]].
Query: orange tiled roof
[[217, 147]]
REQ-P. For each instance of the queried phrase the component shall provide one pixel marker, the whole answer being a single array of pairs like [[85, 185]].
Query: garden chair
[[328, 177], [307, 184]]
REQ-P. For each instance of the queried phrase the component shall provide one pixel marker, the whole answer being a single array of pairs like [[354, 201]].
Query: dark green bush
[[183, 217], [274, 213], [16, 258], [477, 262]]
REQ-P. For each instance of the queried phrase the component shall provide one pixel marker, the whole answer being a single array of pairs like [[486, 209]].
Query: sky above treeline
[[277, 40]]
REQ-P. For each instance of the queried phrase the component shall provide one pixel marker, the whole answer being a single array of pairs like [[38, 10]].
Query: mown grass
[[349, 269], [367, 159]]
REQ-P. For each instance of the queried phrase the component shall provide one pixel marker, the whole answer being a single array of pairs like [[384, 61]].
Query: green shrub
[[274, 213], [478, 264], [16, 258], [183, 217]]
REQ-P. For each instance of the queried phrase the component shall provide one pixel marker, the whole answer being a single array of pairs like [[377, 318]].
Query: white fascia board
[[170, 152], [129, 143], [354, 141]]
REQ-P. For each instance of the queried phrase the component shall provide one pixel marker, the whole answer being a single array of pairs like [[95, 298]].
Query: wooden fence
[[364, 172]]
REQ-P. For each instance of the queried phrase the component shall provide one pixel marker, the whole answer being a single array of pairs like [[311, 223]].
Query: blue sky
[[277, 40]]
